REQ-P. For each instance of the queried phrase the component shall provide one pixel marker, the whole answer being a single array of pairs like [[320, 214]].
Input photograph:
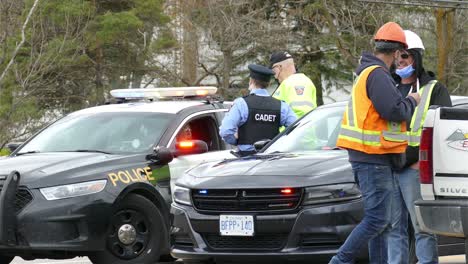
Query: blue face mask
[[405, 72]]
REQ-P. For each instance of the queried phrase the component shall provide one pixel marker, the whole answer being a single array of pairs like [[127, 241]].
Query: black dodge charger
[[296, 199]]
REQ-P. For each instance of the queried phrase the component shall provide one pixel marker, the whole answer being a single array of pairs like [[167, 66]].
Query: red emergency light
[[286, 191], [186, 144]]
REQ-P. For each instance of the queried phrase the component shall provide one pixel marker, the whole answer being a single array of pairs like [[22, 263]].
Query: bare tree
[[36, 84], [233, 34], [23, 39]]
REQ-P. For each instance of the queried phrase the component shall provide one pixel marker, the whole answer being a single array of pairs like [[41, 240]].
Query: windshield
[[318, 130], [117, 133]]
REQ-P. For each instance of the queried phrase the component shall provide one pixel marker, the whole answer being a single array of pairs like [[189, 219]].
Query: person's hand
[[415, 166], [416, 97]]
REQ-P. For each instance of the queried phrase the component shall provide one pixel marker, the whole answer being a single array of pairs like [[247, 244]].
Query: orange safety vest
[[363, 129]]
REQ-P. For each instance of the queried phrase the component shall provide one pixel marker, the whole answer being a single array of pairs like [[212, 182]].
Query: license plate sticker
[[236, 225]]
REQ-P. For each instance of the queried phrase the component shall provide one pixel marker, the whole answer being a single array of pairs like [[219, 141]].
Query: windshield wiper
[[332, 148], [27, 152], [89, 150]]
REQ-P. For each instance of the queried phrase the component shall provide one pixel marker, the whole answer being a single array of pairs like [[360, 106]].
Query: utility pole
[[175, 12], [445, 27], [189, 45]]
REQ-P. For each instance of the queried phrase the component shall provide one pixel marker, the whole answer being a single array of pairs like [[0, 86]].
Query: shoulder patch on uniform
[[299, 89]]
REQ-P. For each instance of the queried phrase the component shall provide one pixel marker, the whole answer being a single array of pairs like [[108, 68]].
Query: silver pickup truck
[[443, 209]]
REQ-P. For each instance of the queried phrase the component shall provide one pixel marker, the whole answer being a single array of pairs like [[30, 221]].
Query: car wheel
[[136, 233], [6, 259]]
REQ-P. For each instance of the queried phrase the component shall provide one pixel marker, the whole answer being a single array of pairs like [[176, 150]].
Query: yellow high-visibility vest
[[419, 115], [299, 92]]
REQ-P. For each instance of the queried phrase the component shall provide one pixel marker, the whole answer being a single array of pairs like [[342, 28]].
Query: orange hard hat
[[391, 31]]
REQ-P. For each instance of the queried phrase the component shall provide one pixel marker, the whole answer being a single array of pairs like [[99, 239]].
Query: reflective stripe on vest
[[360, 136], [391, 137], [302, 103], [417, 121]]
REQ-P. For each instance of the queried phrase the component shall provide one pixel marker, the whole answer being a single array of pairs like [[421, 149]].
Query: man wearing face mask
[[257, 116], [411, 78], [295, 88], [373, 130]]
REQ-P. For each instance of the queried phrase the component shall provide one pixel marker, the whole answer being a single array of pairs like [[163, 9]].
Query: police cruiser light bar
[[141, 93]]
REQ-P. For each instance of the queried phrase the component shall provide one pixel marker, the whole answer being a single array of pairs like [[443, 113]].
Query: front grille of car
[[319, 240], [257, 242], [23, 198], [246, 200], [181, 240]]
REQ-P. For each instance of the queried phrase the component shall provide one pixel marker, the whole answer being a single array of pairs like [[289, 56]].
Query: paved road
[[458, 259], [69, 261]]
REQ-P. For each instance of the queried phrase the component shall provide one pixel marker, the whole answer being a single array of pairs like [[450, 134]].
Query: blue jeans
[[376, 183], [407, 191]]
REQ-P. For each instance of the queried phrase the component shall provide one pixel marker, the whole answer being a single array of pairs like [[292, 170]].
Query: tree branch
[[23, 39]]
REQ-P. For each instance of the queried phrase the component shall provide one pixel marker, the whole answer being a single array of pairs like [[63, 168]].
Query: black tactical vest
[[263, 121]]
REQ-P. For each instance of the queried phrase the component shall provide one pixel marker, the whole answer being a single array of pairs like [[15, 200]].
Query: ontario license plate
[[236, 225]]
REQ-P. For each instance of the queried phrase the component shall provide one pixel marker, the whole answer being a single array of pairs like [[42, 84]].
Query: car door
[[205, 127]]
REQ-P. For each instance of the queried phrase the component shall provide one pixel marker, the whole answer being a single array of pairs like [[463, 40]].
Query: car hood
[[272, 170], [48, 169]]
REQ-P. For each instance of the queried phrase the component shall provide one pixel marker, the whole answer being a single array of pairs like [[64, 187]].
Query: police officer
[[256, 116], [296, 89]]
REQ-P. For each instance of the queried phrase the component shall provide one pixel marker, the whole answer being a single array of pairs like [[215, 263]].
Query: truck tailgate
[[450, 152]]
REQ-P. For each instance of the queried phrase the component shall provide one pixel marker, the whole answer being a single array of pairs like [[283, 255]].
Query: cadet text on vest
[[263, 121]]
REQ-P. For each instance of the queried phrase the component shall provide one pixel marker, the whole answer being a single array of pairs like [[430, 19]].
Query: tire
[[142, 223], [6, 259]]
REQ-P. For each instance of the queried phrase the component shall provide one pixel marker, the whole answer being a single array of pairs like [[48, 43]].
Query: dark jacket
[[439, 96], [387, 100]]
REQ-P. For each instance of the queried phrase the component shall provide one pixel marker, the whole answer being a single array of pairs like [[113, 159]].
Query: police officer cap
[[261, 73], [279, 56]]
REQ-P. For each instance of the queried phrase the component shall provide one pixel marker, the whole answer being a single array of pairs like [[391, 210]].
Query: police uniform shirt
[[239, 114], [299, 92]]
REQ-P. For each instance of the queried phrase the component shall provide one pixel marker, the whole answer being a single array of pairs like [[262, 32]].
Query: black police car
[[90, 184], [297, 199]]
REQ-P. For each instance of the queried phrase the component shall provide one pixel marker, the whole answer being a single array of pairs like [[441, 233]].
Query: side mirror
[[188, 147], [12, 146], [160, 156], [261, 143]]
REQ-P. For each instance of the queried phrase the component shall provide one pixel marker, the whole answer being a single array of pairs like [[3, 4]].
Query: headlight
[[181, 195], [73, 190], [331, 193]]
